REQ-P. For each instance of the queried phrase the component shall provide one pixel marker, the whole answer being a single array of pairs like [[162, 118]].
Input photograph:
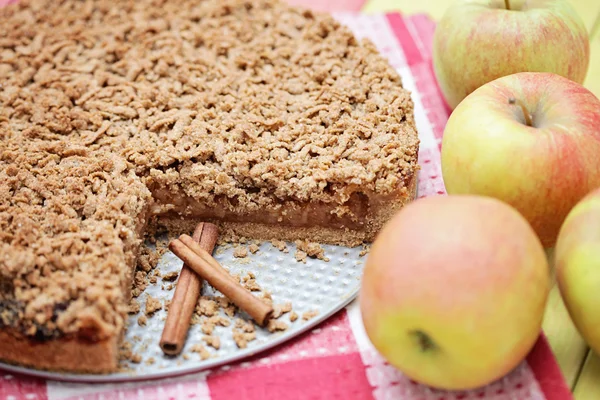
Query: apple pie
[[272, 121]]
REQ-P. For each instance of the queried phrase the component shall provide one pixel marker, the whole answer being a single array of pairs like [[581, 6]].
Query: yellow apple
[[454, 291], [529, 139], [578, 267], [477, 41]]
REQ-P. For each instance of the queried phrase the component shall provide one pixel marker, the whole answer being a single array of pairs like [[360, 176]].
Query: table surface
[[580, 366]]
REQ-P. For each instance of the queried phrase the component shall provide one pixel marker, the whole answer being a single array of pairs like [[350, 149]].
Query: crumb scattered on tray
[[167, 304], [150, 361], [134, 306], [226, 305], [148, 259], [208, 325], [212, 341], [242, 338], [310, 249], [280, 309], [139, 283], [249, 282], [198, 348], [207, 307], [153, 279], [244, 326], [300, 256], [275, 326], [136, 358], [266, 297], [240, 252], [152, 305], [309, 314], [366, 247], [253, 248], [125, 351], [170, 277], [293, 316], [185, 357], [142, 320], [280, 245]]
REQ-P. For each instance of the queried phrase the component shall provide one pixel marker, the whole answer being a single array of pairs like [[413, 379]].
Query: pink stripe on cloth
[[332, 377], [547, 373], [411, 51]]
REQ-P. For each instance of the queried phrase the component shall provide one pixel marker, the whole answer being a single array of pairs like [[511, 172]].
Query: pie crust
[[272, 121]]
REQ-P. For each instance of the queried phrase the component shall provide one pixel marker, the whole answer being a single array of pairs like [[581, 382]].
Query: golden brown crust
[[67, 355]]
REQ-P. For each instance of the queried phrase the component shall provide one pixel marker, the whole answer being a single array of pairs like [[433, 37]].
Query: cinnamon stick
[[187, 292], [201, 262]]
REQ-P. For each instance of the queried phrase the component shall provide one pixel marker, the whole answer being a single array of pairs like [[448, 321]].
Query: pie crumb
[[134, 307], [275, 325], [152, 305], [150, 361], [207, 307], [198, 348], [311, 249], [253, 248], [242, 338], [240, 252], [280, 245], [266, 297], [125, 351], [300, 256], [142, 320], [280, 309], [186, 357], [226, 305], [293, 316], [365, 250], [212, 341], [244, 326], [136, 358], [171, 276], [309, 314]]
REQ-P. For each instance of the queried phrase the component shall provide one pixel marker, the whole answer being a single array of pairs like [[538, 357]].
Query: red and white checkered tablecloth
[[335, 360]]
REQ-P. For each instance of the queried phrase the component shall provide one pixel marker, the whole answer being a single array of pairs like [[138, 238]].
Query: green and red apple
[[577, 259], [454, 290], [531, 140], [477, 41]]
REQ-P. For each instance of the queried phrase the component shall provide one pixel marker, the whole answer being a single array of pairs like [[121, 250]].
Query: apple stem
[[507, 4], [528, 120]]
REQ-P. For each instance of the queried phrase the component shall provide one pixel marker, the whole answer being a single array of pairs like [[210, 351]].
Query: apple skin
[[477, 41], [467, 271], [577, 260], [542, 171]]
